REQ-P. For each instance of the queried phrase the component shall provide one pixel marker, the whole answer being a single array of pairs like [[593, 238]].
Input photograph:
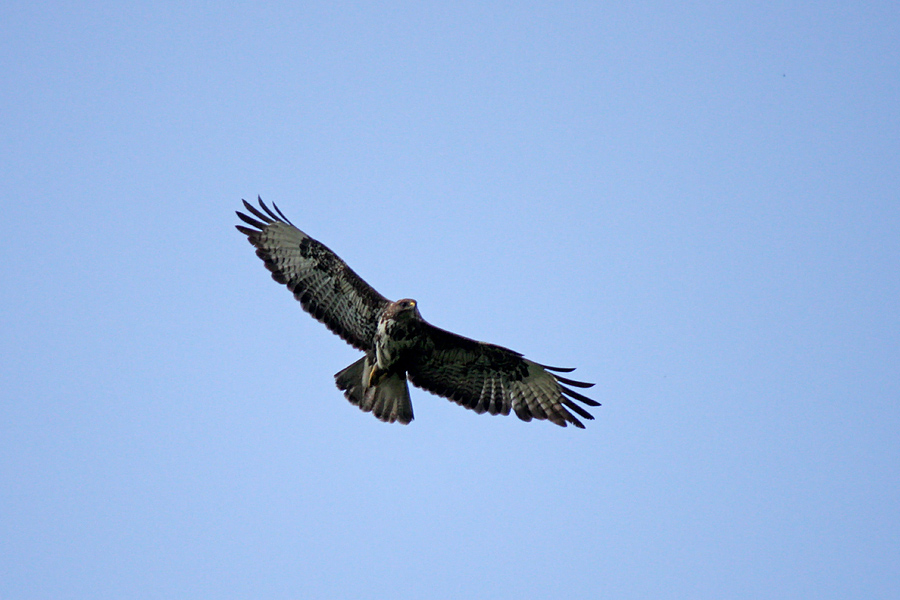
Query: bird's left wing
[[488, 378], [326, 287]]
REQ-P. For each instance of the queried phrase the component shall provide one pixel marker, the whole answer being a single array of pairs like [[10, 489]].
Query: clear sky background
[[696, 204]]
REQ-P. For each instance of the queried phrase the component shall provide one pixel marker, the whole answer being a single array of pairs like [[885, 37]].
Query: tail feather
[[388, 400]]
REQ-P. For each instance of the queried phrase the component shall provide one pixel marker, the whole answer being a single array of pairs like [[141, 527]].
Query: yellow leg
[[374, 376]]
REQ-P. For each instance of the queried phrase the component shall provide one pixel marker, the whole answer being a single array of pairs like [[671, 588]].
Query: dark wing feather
[[488, 378], [323, 283]]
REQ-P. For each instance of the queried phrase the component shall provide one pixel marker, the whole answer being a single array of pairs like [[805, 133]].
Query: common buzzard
[[399, 344]]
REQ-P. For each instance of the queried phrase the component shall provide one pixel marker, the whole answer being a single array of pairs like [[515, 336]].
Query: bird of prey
[[399, 344]]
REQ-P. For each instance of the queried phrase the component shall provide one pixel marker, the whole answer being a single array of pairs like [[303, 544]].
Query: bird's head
[[405, 309]]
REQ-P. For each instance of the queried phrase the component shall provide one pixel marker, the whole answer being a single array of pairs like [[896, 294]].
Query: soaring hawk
[[399, 344]]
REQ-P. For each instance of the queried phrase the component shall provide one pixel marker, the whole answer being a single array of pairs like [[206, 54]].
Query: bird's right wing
[[488, 378], [326, 287]]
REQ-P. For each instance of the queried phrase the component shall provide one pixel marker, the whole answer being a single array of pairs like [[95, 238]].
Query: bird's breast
[[393, 339]]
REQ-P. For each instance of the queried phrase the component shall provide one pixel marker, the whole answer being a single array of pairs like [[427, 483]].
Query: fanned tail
[[388, 399]]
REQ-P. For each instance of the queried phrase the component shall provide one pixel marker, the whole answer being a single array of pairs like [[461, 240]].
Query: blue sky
[[693, 203]]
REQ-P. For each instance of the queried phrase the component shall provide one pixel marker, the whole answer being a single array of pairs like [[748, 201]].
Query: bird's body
[[399, 344]]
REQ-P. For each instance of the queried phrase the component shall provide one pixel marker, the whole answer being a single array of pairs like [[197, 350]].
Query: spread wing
[[488, 378], [327, 288]]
